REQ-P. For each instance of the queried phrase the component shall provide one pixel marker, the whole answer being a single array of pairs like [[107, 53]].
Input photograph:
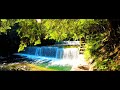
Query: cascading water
[[58, 55]]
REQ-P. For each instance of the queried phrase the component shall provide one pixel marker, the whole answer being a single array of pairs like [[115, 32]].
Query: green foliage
[[6, 24], [87, 53], [107, 65], [101, 40], [37, 42], [30, 32], [100, 44], [22, 46], [60, 29], [55, 29]]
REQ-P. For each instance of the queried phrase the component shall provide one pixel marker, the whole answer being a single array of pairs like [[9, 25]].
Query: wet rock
[[84, 67], [81, 68]]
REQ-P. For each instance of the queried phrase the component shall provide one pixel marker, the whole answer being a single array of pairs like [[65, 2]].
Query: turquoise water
[[50, 54]]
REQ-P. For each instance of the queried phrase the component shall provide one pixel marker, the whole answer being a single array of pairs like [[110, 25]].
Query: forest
[[102, 38]]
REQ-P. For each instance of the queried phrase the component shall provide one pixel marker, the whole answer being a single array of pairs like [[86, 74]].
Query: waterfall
[[68, 43], [58, 54], [70, 53]]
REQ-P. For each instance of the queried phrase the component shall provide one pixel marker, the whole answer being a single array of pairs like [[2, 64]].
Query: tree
[[30, 32]]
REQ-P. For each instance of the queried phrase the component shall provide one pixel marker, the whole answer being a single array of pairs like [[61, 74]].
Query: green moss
[[60, 68], [56, 67]]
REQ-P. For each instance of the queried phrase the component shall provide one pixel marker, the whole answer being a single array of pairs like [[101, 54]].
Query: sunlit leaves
[[37, 42], [5, 24], [57, 29], [22, 46], [4, 20], [29, 29]]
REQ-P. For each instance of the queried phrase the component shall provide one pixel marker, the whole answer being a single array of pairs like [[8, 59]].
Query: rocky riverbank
[[82, 68], [22, 66]]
